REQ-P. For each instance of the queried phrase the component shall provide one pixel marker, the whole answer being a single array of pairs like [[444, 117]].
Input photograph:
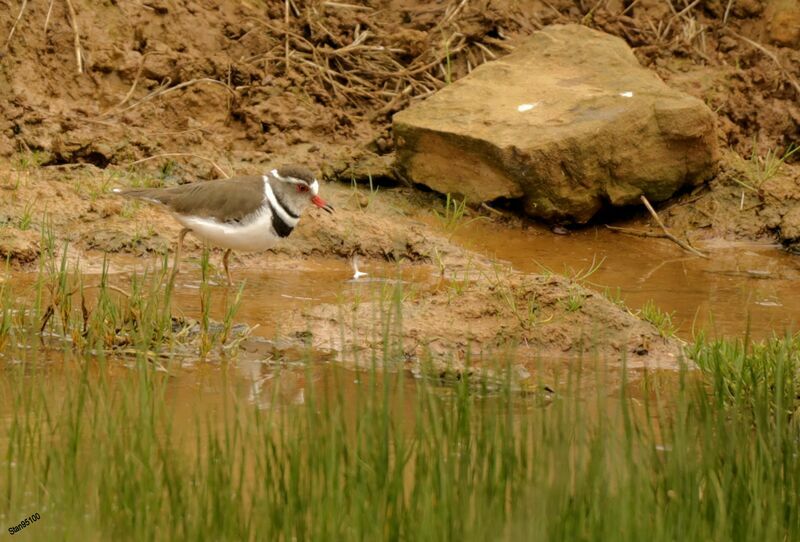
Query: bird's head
[[296, 188]]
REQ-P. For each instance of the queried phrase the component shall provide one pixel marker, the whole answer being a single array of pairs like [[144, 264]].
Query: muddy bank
[[157, 103], [460, 301], [742, 203], [320, 87], [77, 205], [125, 81], [482, 316]]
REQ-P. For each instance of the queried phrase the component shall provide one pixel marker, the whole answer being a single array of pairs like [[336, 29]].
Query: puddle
[[739, 281], [268, 293]]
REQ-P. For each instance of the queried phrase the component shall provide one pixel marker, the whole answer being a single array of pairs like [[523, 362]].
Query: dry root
[[374, 69]]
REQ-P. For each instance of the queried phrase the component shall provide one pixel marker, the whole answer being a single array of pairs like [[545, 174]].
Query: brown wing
[[228, 199]]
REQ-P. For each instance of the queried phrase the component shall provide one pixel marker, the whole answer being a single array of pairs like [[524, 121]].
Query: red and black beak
[[322, 204]]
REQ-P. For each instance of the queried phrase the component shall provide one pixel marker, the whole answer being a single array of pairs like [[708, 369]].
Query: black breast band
[[281, 228]]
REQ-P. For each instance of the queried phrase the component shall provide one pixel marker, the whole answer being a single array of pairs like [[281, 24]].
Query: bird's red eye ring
[[302, 188]]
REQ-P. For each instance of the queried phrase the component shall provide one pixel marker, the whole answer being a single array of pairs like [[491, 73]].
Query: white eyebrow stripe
[[277, 207], [314, 186]]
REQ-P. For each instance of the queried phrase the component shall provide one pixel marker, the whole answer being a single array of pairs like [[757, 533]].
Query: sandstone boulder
[[569, 122]]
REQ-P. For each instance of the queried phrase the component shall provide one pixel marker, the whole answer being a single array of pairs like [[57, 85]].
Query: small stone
[[362, 200], [383, 145]]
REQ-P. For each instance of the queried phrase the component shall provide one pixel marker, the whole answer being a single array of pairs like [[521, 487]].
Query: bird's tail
[[146, 194]]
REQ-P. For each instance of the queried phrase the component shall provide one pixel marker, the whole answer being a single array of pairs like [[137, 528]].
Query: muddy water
[[741, 284], [739, 281], [269, 292]]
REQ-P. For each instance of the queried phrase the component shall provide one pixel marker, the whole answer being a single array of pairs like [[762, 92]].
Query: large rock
[[569, 122]]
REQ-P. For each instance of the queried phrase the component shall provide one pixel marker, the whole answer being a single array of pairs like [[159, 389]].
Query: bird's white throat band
[[277, 207]]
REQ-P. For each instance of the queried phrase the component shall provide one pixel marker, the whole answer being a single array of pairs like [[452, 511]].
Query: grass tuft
[[64, 311], [453, 216], [661, 319], [758, 169]]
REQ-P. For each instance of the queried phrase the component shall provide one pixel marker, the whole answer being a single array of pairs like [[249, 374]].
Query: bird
[[248, 214]]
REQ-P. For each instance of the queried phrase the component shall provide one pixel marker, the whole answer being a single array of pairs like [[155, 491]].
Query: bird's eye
[[302, 188]]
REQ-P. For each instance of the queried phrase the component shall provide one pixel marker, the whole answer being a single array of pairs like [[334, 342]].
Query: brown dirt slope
[[233, 78]]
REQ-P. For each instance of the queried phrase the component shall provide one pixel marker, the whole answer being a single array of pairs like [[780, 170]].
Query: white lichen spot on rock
[[526, 107], [626, 94]]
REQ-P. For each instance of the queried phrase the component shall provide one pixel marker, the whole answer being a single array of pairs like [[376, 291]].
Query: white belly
[[253, 236]]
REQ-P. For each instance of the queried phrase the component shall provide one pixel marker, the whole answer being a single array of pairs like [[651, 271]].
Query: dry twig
[[370, 69], [727, 11], [164, 88], [14, 26], [774, 58], [683, 244], [493, 210], [630, 7], [47, 18], [346, 6], [76, 35], [637, 233], [286, 35], [686, 9], [131, 90]]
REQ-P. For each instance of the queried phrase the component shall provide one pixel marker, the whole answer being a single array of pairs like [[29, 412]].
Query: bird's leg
[[181, 235], [225, 265]]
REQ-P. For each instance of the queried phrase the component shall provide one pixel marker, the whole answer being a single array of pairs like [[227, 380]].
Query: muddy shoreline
[[319, 86], [488, 305], [466, 296]]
